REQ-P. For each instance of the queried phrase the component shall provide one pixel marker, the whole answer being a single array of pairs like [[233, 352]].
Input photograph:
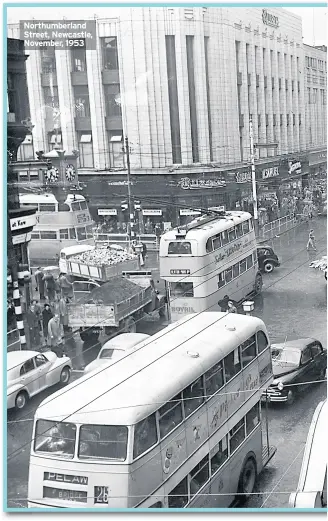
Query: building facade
[[182, 84], [20, 221]]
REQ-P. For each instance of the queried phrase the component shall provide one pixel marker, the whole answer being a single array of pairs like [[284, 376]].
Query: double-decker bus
[[177, 423], [213, 256], [312, 486], [58, 225]]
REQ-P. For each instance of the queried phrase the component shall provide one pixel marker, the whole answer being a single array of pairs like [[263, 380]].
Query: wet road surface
[[293, 304]]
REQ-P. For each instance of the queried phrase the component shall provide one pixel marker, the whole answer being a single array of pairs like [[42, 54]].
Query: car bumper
[[274, 396]]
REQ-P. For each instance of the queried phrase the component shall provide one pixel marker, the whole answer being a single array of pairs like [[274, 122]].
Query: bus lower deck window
[[252, 418], [220, 456], [178, 497], [199, 475], [237, 435], [72, 233]]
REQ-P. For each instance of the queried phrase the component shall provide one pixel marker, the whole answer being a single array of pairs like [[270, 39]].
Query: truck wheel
[[247, 480], [268, 267], [130, 325]]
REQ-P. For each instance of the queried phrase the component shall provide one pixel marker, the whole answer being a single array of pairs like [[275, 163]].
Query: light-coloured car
[[30, 372], [115, 349]]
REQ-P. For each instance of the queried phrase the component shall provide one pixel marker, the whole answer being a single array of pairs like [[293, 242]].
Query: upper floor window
[[112, 100], [82, 104], [50, 96], [79, 62], [48, 60], [109, 53]]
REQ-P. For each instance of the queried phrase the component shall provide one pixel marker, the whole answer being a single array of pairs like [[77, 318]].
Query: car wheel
[[268, 267], [21, 400], [65, 375], [247, 480], [258, 284], [290, 397]]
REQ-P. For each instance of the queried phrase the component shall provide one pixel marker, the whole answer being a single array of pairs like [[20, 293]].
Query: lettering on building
[[243, 177], [196, 184], [182, 309], [294, 167], [270, 19], [270, 172]]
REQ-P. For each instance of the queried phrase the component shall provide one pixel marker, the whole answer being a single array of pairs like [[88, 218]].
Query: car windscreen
[[108, 354], [286, 355]]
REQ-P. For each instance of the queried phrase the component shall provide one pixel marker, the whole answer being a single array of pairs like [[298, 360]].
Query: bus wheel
[[247, 480], [258, 284], [130, 325]]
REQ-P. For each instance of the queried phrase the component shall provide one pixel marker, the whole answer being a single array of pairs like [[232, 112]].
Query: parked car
[[30, 372], [267, 258], [115, 349], [296, 362]]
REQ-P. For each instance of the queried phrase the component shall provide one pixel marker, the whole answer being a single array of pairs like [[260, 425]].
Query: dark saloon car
[[267, 258], [296, 362]]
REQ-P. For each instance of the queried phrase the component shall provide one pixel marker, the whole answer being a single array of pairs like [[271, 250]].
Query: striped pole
[[18, 313]]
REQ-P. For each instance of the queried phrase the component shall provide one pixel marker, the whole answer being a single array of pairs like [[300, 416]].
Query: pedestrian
[[224, 303], [39, 279], [33, 326], [311, 241], [66, 287], [63, 313], [144, 252], [50, 287], [38, 312], [231, 307], [11, 322], [56, 335], [46, 316]]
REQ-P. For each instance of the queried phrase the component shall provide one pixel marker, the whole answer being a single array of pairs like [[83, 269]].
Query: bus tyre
[[130, 325], [65, 375], [268, 267], [258, 284], [21, 400], [247, 480]]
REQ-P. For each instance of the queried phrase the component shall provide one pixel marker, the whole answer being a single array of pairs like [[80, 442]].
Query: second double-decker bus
[[177, 423], [58, 225], [213, 256]]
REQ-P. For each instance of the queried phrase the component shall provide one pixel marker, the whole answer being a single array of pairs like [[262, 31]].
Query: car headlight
[[280, 386]]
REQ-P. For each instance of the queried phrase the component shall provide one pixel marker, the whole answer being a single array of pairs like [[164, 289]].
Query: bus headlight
[[280, 386]]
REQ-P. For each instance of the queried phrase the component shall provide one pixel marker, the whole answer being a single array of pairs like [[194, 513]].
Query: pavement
[[293, 304]]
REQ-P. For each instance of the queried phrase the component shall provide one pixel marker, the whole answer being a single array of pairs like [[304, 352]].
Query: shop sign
[[18, 223], [107, 211], [119, 183], [268, 173], [270, 19], [189, 212], [21, 238], [197, 184], [152, 212], [243, 177], [294, 167], [316, 158]]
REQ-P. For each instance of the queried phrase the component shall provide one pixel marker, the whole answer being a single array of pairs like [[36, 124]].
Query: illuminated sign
[[270, 172], [196, 184], [179, 272], [294, 167]]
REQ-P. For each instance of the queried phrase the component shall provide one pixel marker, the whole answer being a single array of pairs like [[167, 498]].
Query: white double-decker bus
[[177, 423], [312, 486], [209, 258]]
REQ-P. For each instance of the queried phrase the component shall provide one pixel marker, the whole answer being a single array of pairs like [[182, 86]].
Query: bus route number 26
[[100, 494]]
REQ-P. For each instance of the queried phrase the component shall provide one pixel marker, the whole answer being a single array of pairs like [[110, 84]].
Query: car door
[[43, 367], [306, 368], [29, 377], [319, 359]]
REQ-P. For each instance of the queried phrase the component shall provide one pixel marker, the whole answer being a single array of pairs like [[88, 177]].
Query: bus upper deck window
[[239, 230], [83, 205], [81, 234], [145, 435], [209, 245], [232, 235], [56, 438], [224, 238], [217, 241], [179, 248], [246, 227], [103, 442]]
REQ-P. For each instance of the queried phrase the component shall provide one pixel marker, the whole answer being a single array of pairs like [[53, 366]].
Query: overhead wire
[[14, 453]]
